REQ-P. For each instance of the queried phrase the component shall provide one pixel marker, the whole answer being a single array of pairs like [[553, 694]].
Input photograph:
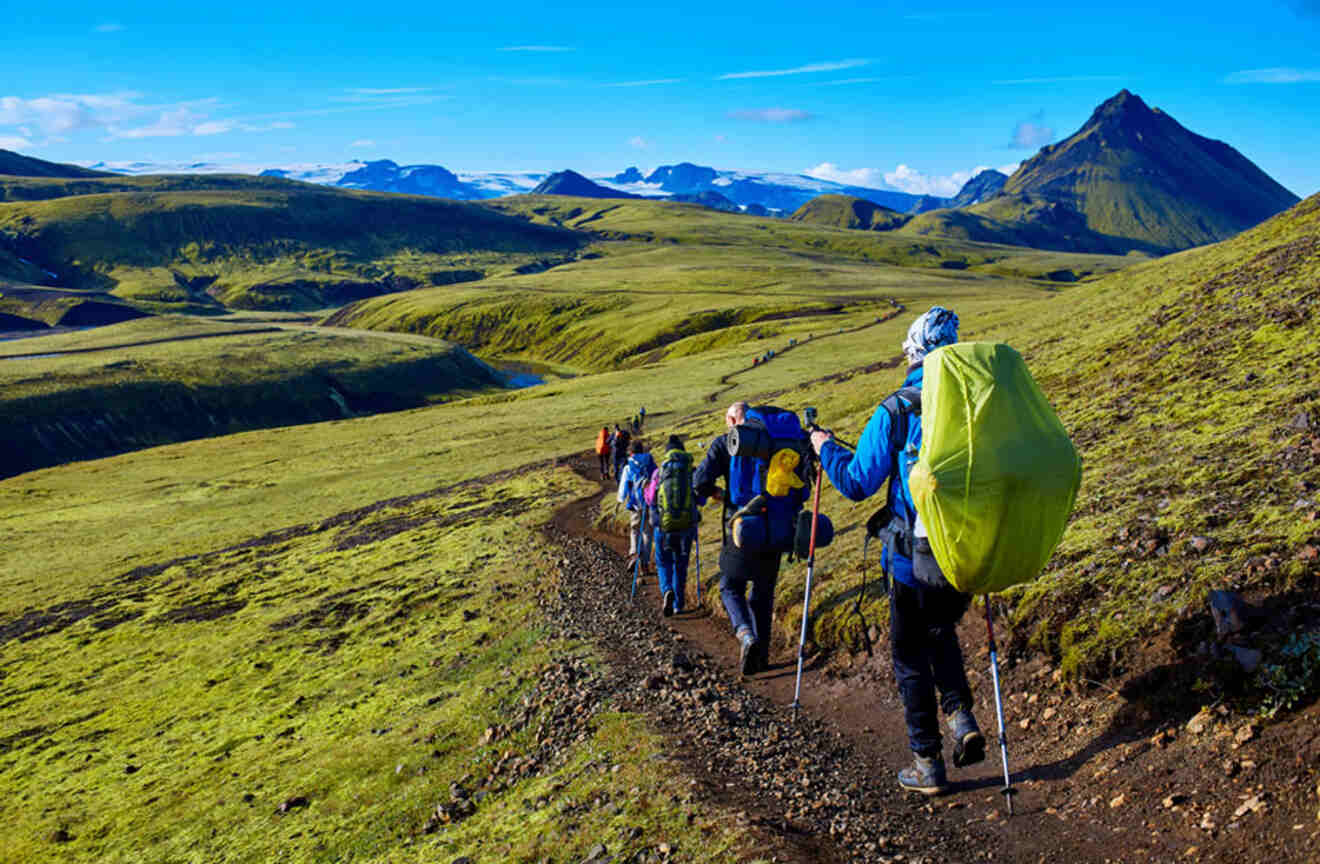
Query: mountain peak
[[1124, 108]]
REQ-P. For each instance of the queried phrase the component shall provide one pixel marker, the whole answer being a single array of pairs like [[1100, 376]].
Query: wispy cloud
[[637, 142], [796, 70], [854, 177], [109, 27], [539, 49], [386, 91], [1031, 134], [14, 142], [363, 144], [651, 83], [772, 115], [1059, 79], [1274, 75], [123, 115]]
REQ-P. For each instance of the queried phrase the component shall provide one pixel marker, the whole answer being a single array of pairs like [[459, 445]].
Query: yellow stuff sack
[[997, 476]]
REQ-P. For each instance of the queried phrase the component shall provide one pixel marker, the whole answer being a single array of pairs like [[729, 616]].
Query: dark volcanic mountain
[[384, 175], [982, 187], [573, 183], [1134, 173], [926, 203], [18, 165], [683, 178], [709, 198], [632, 175]]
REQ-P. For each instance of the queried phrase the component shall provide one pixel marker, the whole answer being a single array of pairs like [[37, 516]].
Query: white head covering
[[935, 328]]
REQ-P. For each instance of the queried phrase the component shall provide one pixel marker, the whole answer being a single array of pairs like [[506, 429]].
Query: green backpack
[[673, 495], [997, 477]]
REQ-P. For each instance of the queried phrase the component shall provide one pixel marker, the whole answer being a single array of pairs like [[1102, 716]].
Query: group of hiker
[[612, 446], [761, 472]]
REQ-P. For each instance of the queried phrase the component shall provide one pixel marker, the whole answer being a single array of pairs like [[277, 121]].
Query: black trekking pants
[[923, 633], [755, 610], [604, 465]]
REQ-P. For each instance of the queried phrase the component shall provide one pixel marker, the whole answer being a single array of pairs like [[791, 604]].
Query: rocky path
[[1098, 779]]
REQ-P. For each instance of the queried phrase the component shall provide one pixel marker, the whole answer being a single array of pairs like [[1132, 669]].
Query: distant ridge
[[18, 165], [573, 183], [982, 187], [847, 211], [1135, 174]]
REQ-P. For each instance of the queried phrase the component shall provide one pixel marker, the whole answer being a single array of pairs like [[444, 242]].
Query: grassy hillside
[[159, 380], [265, 243], [17, 164], [338, 612], [846, 211], [664, 279]]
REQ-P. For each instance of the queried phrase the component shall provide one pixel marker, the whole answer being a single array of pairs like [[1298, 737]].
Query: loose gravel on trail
[[804, 792]]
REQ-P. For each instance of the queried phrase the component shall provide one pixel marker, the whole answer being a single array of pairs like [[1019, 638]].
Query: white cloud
[[13, 142], [651, 83], [1275, 75], [796, 70], [1009, 168], [771, 115], [637, 142], [911, 180], [1059, 79], [538, 49], [119, 116], [855, 177], [1030, 135], [363, 144], [170, 124], [109, 27]]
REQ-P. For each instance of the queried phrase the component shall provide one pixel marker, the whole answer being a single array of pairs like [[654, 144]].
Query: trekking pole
[[699, 565], [806, 598], [1008, 791], [637, 563]]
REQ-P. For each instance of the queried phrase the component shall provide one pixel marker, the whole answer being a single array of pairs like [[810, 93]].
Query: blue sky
[[908, 96]]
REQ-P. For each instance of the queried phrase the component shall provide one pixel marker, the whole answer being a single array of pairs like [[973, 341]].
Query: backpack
[[763, 522], [603, 442], [892, 523], [674, 496], [641, 466], [997, 476], [621, 441]]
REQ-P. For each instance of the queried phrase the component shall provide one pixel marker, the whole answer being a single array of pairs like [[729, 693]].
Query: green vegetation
[[847, 211], [171, 378], [259, 243]]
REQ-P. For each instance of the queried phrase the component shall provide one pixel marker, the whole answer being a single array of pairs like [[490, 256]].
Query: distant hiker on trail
[[636, 425], [674, 517], [632, 490], [641, 417], [619, 447], [924, 609], [603, 451], [758, 526]]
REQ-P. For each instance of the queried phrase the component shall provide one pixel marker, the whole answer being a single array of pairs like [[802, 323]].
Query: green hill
[[847, 211], [1134, 173], [243, 242], [18, 165]]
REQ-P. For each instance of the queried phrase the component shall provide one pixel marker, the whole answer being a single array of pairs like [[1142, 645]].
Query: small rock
[[1254, 804], [1048, 714], [663, 849], [1301, 423], [1174, 800], [1245, 734], [1025, 723], [1230, 613], [462, 859], [1230, 768], [60, 835], [682, 662], [1208, 822], [655, 682], [597, 852], [293, 803], [1201, 722], [1117, 801], [1199, 544]]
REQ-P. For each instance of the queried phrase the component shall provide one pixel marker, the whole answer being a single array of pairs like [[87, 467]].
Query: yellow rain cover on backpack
[[997, 476]]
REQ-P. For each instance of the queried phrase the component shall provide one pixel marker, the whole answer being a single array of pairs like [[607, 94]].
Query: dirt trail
[[1099, 790]]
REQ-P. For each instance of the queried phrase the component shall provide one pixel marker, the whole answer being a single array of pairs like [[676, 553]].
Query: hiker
[[619, 448], [641, 417], [924, 609], [603, 451], [632, 489], [743, 563], [674, 517]]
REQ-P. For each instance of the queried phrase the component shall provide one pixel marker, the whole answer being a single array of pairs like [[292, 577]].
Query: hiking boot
[[925, 776], [968, 742], [747, 655], [667, 604]]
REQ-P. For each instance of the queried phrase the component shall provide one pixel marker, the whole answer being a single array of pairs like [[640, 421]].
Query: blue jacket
[[636, 474], [861, 475]]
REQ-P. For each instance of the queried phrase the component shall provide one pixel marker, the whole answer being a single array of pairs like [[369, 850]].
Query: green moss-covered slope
[[847, 211]]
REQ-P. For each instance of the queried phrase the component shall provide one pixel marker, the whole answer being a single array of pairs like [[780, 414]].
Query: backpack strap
[[893, 527]]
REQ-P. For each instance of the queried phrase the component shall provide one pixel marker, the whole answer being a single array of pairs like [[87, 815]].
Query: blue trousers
[[754, 611], [672, 551], [923, 634]]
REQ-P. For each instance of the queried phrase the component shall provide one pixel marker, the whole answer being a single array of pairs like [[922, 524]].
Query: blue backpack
[[761, 522], [642, 466]]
